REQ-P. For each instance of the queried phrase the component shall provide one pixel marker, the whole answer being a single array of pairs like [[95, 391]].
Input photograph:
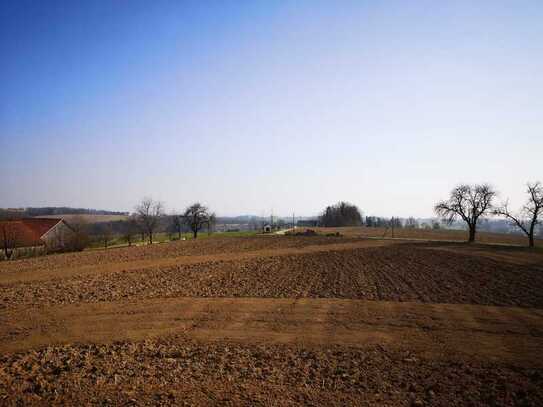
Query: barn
[[51, 234]]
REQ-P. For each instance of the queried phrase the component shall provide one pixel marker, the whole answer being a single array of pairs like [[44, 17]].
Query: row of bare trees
[[472, 202], [148, 214]]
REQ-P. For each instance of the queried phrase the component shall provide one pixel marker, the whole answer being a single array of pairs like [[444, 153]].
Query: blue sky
[[254, 106]]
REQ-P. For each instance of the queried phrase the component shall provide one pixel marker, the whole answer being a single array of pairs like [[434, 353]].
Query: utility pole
[[293, 224]]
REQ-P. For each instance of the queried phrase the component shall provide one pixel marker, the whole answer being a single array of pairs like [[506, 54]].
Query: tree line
[[149, 217], [467, 203], [347, 214], [18, 213]]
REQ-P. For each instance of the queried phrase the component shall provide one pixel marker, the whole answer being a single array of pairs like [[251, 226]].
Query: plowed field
[[275, 321]]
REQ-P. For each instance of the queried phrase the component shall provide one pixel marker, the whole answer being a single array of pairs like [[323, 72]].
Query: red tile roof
[[26, 232]]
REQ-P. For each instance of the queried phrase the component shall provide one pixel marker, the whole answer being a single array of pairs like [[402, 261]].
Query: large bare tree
[[528, 217], [468, 202], [196, 217], [148, 213]]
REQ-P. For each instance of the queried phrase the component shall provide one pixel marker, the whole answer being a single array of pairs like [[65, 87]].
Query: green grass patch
[[120, 241]]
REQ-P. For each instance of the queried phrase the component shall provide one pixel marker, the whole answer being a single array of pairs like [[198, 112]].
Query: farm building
[[52, 234]]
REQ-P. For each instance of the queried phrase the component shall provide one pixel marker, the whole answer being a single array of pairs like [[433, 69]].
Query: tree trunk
[[151, 237], [195, 233], [531, 234], [8, 252], [471, 234]]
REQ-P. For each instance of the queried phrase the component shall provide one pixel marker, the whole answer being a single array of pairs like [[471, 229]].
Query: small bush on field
[[307, 232]]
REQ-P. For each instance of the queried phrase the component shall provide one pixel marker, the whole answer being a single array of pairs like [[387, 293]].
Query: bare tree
[[211, 224], [9, 236], [80, 237], [528, 217], [197, 216], [177, 224], [411, 223], [130, 228], [469, 202], [141, 230], [106, 234], [149, 213]]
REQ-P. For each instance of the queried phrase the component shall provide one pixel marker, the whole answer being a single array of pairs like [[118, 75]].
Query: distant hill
[[88, 218]]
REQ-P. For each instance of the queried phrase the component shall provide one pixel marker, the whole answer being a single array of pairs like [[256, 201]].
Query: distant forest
[[54, 210]]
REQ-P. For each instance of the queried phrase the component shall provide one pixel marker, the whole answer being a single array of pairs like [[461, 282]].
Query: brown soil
[[177, 371], [397, 272], [433, 330], [218, 245], [39, 272], [317, 321]]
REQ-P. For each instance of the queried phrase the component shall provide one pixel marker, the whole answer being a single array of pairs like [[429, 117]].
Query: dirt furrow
[[397, 272]]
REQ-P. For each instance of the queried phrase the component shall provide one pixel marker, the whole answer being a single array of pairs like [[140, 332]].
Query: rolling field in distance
[[431, 234]]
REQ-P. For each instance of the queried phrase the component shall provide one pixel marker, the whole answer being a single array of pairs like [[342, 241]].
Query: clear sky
[[250, 106]]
